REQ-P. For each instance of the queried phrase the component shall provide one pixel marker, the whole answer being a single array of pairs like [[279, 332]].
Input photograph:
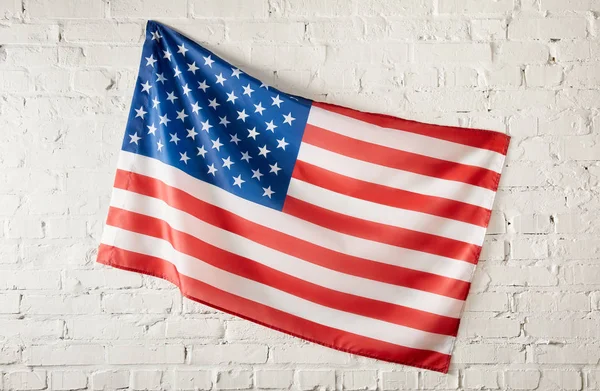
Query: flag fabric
[[352, 230]]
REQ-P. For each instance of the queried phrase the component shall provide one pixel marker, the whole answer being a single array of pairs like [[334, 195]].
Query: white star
[[242, 115], [246, 156], [271, 126], [182, 49], [171, 96], [201, 151], [159, 146], [288, 119], [216, 144], [184, 157], [151, 129], [174, 138], [146, 87], [156, 36], [167, 55], [213, 103], [274, 168], [263, 151], [208, 61], [212, 169], [192, 67], [231, 97], [195, 108], [236, 72], [258, 108], [223, 121], [206, 126], [253, 133], [235, 139], [177, 72], [256, 174], [161, 77], [163, 119], [227, 162], [220, 79], [186, 89], [276, 101], [134, 138], [237, 181], [282, 143], [203, 86], [191, 133], [150, 60], [263, 85], [247, 90], [155, 103], [181, 115], [268, 192], [140, 112]]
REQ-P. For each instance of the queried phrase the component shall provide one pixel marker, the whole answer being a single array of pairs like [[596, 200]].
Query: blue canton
[[194, 111]]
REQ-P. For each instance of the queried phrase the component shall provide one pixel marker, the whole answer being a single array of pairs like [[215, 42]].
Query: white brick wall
[[530, 68]]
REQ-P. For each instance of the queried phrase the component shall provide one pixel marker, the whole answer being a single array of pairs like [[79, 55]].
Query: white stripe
[[345, 244], [266, 295], [384, 214], [406, 141], [288, 264], [394, 178]]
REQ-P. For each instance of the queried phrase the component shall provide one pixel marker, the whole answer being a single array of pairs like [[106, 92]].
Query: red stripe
[[390, 196], [400, 160], [291, 245], [270, 317], [485, 139], [247, 268], [395, 236]]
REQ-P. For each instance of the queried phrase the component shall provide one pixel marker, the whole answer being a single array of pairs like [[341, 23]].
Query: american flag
[[356, 231]]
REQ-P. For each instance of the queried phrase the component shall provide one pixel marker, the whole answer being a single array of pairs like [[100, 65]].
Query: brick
[[521, 276], [583, 76], [452, 52], [551, 302], [474, 7], [438, 381], [110, 380], [10, 303], [25, 228], [523, 380], [194, 328], [68, 380], [548, 28], [31, 280], [10, 9], [477, 379], [581, 274], [572, 354], [26, 380], [229, 9], [139, 354], [429, 30], [65, 9], [145, 303], [192, 380], [102, 32], [490, 328], [10, 354], [399, 380], [522, 53], [102, 279], [563, 328], [359, 380], [234, 380], [226, 354], [543, 75], [312, 379], [148, 8], [71, 354], [382, 7], [486, 302], [28, 329], [63, 304], [561, 380], [528, 248], [275, 32], [115, 328], [28, 33], [481, 353], [568, 5], [309, 354], [274, 379], [146, 380], [488, 30]]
